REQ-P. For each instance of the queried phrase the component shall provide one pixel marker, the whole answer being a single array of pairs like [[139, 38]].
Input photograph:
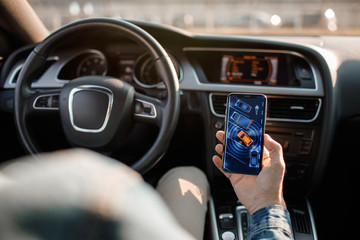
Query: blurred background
[[262, 17]]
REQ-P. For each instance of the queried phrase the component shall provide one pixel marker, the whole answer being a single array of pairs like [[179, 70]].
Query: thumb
[[275, 150]]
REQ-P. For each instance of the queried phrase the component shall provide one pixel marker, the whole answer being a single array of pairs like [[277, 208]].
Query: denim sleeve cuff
[[271, 222]]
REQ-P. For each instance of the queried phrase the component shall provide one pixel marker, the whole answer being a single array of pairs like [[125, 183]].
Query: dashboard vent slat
[[279, 109], [219, 104], [292, 108], [300, 221]]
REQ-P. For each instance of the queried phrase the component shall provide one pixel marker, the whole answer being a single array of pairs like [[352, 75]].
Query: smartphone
[[244, 133]]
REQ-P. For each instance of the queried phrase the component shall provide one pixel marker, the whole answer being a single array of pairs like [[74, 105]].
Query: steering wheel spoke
[[147, 109], [46, 101], [40, 101]]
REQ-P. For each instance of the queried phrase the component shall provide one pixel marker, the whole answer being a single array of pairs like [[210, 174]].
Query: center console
[[299, 135], [230, 221], [294, 89]]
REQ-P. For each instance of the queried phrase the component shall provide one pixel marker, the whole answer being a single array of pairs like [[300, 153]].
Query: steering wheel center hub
[[90, 107], [96, 111]]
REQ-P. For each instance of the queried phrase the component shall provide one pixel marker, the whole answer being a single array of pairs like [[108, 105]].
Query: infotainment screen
[[249, 68], [252, 68]]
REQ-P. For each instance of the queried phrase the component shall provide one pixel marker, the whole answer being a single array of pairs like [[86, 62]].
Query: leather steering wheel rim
[[24, 94]]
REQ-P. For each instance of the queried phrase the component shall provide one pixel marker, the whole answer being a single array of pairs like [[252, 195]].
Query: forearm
[[271, 222]]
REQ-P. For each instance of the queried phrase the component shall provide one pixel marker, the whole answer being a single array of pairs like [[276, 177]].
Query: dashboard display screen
[[249, 68]]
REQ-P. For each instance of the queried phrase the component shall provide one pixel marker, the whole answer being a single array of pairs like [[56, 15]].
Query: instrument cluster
[[137, 67]]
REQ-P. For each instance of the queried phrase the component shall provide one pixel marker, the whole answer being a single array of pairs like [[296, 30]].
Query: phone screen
[[244, 133]]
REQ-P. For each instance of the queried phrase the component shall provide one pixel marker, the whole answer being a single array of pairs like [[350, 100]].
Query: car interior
[[177, 83]]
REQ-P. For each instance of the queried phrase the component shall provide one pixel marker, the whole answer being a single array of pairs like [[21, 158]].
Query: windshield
[[259, 17]]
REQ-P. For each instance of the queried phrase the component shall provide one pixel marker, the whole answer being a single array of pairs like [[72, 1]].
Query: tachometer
[[145, 73], [93, 64]]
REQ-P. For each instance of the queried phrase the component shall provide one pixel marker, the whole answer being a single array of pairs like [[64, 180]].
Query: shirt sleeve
[[271, 222]]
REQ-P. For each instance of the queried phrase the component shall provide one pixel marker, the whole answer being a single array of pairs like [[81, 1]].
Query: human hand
[[265, 189]]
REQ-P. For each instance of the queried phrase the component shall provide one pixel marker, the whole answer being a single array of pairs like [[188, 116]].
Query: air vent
[[15, 75], [293, 109], [218, 104], [279, 109], [300, 221]]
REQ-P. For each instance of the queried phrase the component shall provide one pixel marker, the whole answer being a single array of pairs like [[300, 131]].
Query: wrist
[[265, 202]]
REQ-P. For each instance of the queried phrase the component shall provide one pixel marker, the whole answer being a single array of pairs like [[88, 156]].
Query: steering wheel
[[97, 111]]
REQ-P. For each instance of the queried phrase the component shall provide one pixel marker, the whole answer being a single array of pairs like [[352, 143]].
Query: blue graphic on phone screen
[[245, 121]]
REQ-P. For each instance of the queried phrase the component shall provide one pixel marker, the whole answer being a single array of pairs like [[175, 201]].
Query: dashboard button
[[228, 235], [303, 72]]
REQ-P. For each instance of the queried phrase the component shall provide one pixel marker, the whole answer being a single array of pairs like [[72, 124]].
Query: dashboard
[[298, 75], [291, 78]]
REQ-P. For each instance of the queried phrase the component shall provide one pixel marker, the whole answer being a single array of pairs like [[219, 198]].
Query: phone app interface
[[244, 137]]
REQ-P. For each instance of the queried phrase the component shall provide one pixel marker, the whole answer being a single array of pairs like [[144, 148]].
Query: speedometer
[[145, 73], [148, 73]]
